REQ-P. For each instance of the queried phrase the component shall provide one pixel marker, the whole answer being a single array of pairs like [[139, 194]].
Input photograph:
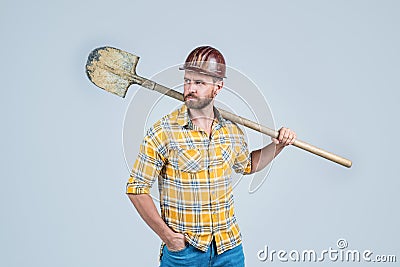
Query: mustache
[[189, 95], [193, 96]]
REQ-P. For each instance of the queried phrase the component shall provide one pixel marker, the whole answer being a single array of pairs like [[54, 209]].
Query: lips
[[189, 97]]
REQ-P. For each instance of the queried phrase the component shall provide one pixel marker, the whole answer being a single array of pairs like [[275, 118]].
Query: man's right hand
[[148, 211], [176, 242]]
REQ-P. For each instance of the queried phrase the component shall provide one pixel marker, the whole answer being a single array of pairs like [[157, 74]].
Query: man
[[192, 152]]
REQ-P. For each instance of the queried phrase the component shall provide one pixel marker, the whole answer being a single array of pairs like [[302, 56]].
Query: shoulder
[[161, 127], [227, 124], [233, 128]]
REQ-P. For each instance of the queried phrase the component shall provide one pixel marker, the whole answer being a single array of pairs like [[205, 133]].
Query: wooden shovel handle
[[114, 70], [246, 122]]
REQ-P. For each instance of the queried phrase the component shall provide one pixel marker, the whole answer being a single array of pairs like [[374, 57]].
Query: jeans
[[193, 257]]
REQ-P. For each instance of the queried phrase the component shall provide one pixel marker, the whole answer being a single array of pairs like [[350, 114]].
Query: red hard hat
[[206, 60]]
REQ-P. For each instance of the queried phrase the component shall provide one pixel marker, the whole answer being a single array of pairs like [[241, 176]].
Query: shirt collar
[[183, 118]]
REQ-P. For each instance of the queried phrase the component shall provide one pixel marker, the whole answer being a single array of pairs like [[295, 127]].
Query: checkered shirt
[[194, 176]]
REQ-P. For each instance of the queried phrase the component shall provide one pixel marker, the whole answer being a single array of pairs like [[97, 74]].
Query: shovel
[[114, 70]]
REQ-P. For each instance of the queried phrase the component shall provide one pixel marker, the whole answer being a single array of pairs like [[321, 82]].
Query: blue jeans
[[193, 257]]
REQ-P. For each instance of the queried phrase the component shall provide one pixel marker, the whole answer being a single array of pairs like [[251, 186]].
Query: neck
[[203, 118]]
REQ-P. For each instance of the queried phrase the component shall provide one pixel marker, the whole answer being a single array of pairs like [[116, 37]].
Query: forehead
[[193, 75]]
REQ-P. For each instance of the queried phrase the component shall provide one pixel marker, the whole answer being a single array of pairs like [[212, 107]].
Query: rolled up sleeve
[[146, 169], [242, 162]]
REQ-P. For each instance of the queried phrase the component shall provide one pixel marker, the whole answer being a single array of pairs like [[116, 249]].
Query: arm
[[260, 158], [148, 165], [147, 210]]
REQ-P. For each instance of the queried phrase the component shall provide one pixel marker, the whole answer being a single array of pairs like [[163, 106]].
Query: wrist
[[168, 235], [278, 149], [279, 146]]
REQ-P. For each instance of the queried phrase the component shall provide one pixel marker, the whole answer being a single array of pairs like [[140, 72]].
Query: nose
[[190, 87]]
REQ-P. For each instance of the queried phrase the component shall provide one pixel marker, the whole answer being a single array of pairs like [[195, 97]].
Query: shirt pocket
[[187, 159], [227, 154]]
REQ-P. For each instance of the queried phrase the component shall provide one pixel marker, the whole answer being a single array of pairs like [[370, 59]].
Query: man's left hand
[[286, 137]]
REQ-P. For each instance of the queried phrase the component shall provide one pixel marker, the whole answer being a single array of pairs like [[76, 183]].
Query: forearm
[[147, 210], [260, 158]]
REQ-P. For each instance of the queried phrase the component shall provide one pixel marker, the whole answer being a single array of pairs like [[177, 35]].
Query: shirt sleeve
[[147, 167], [242, 162]]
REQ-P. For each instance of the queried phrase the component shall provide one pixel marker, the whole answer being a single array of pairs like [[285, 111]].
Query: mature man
[[192, 152]]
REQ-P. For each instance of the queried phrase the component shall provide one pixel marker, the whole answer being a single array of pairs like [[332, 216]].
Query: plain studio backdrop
[[328, 69]]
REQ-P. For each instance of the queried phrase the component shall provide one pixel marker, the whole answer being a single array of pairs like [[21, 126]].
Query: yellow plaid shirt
[[194, 176]]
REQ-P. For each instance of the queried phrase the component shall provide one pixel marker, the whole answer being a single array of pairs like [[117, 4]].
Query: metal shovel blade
[[111, 69]]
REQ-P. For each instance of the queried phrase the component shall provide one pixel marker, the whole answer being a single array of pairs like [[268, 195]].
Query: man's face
[[199, 90]]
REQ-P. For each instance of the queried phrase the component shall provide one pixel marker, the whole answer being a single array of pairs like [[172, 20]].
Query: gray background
[[329, 70]]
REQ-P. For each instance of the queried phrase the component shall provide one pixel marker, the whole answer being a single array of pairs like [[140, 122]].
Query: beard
[[198, 103]]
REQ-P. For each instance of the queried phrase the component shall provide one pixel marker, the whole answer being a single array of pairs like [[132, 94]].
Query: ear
[[218, 87]]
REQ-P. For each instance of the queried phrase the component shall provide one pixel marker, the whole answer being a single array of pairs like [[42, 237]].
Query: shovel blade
[[111, 69]]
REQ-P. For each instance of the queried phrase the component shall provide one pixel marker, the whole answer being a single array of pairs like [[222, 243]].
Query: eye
[[186, 81], [199, 82]]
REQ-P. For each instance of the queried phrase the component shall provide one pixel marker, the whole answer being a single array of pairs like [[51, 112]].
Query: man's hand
[[148, 211], [262, 157], [286, 137], [176, 242]]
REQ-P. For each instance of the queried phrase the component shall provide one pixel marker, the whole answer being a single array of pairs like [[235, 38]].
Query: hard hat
[[206, 60]]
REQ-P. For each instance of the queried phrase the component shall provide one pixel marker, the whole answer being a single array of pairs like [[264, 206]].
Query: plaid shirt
[[194, 176]]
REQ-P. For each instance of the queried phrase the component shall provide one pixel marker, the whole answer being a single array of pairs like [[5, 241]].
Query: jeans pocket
[[176, 258], [178, 251]]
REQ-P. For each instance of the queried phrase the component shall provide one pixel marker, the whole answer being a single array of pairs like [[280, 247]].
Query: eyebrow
[[196, 80]]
